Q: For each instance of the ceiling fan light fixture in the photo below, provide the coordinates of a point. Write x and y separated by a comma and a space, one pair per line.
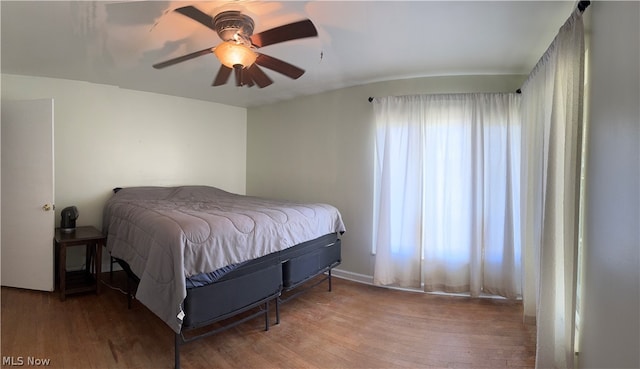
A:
231, 54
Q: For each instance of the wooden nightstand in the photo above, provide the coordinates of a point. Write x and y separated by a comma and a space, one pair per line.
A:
86, 280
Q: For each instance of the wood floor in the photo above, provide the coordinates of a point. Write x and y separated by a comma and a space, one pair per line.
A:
354, 326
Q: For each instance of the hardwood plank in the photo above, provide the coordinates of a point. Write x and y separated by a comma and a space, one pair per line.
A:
353, 326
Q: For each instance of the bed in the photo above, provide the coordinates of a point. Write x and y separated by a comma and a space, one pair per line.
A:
201, 255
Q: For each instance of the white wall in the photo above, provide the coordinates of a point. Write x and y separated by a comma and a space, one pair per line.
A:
108, 137
320, 148
610, 334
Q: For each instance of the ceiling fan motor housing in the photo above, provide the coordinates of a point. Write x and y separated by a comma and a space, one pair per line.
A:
230, 23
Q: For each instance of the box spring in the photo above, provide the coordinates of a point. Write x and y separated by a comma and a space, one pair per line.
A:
260, 278
306, 262
237, 291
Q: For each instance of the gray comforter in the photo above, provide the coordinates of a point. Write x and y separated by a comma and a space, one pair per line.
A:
166, 234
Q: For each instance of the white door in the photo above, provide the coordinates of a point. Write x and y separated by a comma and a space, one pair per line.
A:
27, 226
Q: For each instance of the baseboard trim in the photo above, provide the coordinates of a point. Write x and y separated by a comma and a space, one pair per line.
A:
351, 276
368, 279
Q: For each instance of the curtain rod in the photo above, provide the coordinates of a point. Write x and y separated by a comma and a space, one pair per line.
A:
582, 6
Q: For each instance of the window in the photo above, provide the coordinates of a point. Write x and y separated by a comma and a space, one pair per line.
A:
446, 193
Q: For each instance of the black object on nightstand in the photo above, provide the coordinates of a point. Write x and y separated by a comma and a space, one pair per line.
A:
86, 280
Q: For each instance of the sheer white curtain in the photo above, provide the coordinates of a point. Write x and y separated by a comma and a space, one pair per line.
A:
551, 153
446, 206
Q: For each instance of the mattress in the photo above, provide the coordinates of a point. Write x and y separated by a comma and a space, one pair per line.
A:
169, 234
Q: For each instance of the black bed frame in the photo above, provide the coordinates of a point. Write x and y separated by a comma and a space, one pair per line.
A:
261, 281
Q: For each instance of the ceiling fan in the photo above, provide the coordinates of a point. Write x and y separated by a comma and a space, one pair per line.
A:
238, 53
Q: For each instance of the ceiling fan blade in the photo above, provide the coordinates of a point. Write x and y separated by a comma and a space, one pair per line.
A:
183, 58
279, 66
222, 77
258, 75
291, 31
197, 15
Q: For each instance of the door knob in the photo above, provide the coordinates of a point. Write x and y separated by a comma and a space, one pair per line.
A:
47, 207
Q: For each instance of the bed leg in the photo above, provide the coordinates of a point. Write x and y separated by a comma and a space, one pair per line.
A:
329, 280
177, 351
128, 292
278, 310
266, 315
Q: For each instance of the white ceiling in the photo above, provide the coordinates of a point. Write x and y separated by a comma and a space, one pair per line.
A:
359, 42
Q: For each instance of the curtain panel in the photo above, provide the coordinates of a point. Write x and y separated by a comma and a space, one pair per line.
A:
447, 193
552, 105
